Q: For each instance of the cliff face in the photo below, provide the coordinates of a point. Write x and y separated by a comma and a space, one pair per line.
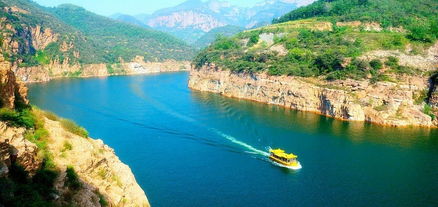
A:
11, 90
56, 70
384, 103
100, 171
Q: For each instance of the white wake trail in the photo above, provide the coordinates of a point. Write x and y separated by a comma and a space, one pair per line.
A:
165, 109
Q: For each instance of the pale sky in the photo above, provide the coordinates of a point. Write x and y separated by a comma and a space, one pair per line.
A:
132, 7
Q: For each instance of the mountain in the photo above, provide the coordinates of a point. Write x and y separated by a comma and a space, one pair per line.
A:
129, 19
119, 39
43, 157
70, 34
193, 18
362, 60
212, 35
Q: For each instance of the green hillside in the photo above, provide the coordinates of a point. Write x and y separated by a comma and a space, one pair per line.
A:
420, 17
321, 39
93, 38
118, 39
212, 35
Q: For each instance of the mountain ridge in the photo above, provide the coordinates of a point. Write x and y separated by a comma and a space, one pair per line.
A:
194, 18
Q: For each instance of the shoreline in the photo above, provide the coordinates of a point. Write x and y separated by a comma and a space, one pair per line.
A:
384, 104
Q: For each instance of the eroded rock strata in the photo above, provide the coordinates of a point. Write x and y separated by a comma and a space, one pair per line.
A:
56, 70
385, 103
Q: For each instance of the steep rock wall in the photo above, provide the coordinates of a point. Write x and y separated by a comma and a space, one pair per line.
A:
383, 103
56, 70
11, 90
99, 169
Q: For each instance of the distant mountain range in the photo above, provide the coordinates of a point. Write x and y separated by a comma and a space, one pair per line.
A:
194, 18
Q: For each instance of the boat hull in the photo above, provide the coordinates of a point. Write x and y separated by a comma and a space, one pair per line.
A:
294, 166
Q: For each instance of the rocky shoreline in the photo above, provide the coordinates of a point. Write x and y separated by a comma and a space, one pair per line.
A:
136, 67
383, 103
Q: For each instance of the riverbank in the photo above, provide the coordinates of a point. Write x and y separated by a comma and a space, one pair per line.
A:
385, 103
57, 70
55, 160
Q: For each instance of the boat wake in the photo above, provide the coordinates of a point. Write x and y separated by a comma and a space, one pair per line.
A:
175, 114
232, 139
288, 167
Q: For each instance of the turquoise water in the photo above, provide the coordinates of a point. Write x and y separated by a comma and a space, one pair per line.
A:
189, 148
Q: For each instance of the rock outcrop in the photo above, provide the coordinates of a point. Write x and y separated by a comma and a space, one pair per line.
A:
98, 167
56, 70
100, 171
11, 90
384, 103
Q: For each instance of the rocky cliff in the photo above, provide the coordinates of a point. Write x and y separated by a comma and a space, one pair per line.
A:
35, 149
100, 171
12, 92
56, 69
385, 103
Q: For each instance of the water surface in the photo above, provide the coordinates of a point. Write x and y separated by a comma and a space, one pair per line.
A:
189, 148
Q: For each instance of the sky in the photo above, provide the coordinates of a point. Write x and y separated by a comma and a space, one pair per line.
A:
132, 7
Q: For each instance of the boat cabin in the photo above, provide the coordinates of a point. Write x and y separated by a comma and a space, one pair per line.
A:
281, 156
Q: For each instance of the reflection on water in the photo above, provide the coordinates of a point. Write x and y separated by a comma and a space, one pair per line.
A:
311, 123
189, 148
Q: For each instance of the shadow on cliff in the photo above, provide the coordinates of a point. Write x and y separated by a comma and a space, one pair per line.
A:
22, 185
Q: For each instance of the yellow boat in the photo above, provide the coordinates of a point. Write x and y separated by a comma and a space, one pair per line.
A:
280, 157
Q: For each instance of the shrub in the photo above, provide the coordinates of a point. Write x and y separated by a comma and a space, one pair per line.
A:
22, 190
73, 128
427, 109
67, 146
44, 180
254, 39
376, 64
102, 200
72, 180
13, 118
225, 44
329, 61
392, 62
52, 116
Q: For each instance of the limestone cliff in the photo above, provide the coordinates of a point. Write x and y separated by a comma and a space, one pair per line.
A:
137, 66
385, 103
11, 90
100, 170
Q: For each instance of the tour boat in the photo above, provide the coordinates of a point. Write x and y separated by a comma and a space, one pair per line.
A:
283, 159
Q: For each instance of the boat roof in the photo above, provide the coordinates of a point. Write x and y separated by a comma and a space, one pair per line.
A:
281, 153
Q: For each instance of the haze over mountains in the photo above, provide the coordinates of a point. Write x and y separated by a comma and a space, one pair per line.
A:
194, 18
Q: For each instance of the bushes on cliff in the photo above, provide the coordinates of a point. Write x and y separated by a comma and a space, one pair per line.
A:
73, 128
72, 179
13, 118
418, 17
22, 190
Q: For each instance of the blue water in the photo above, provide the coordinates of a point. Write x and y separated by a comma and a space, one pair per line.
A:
189, 148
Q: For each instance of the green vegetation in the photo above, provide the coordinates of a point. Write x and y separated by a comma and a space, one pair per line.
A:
211, 36
115, 39
41, 137
72, 181
315, 45
19, 189
419, 17
86, 38
67, 146
73, 128
22, 118
427, 109
102, 200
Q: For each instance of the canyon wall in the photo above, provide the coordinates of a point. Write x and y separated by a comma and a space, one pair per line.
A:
385, 103
100, 171
54, 70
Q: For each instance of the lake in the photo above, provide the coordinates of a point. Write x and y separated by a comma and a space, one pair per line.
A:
189, 148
